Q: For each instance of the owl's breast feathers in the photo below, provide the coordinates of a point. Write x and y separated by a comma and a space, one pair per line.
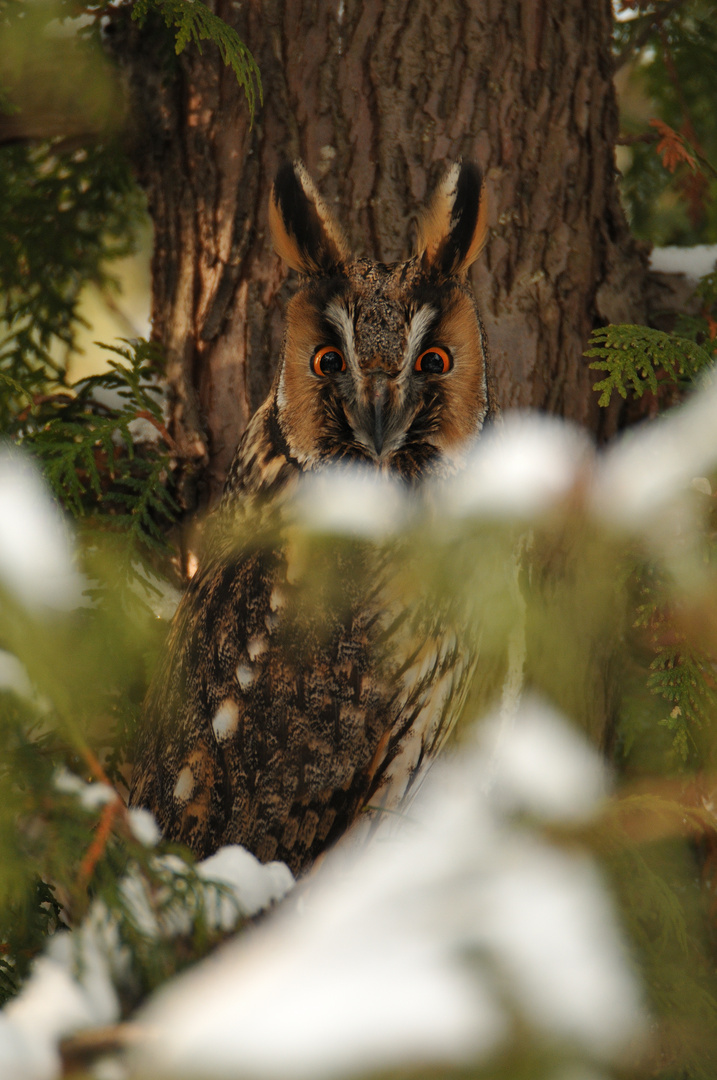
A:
273, 721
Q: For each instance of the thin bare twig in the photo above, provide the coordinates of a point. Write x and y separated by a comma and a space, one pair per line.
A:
630, 140
144, 414
99, 842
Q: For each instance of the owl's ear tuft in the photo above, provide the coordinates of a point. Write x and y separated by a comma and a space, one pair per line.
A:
454, 227
304, 231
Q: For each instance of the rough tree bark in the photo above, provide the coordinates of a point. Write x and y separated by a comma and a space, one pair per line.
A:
375, 96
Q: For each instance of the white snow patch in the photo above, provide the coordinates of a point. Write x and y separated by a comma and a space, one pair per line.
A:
702, 484
571, 781
521, 468
51, 1006
185, 785
407, 951
144, 827
91, 796
410, 1007
141, 430
85, 954
651, 466
251, 886
254, 885
160, 917
108, 1068
351, 502
137, 902
13, 675
35, 545
547, 921
245, 676
23, 1057
695, 261
226, 719
70, 988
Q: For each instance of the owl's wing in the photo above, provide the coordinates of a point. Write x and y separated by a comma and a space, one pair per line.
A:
292, 694
262, 725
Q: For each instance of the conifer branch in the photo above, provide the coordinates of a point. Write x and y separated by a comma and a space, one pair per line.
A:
193, 21
680, 673
638, 358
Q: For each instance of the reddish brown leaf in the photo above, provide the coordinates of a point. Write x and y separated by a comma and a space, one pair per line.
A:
672, 147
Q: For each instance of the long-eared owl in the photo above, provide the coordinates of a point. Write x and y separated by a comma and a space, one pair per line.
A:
269, 723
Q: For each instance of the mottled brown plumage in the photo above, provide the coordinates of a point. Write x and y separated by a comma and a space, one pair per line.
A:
273, 721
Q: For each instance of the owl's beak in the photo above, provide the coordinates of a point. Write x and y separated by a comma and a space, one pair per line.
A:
377, 414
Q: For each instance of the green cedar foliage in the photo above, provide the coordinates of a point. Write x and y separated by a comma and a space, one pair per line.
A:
681, 672
635, 358
64, 216
675, 666
89, 453
195, 23
665, 686
66, 212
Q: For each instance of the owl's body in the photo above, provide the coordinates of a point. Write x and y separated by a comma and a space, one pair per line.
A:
272, 722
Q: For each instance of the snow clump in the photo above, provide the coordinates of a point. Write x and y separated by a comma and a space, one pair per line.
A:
424, 945
74, 985
36, 558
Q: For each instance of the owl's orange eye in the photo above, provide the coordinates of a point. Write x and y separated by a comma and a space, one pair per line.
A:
328, 361
434, 361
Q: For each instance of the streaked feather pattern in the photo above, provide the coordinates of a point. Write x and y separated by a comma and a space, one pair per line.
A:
281, 710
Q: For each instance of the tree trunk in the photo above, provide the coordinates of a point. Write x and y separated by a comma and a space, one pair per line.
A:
376, 96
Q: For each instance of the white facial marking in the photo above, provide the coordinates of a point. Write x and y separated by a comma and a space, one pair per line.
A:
281, 398
226, 719
184, 787
339, 317
418, 327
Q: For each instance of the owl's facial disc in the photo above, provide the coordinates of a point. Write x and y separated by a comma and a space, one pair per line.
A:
383, 368
382, 337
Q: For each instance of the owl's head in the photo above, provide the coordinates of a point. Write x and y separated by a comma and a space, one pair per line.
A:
383, 364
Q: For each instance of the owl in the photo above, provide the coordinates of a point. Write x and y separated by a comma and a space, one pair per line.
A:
273, 722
